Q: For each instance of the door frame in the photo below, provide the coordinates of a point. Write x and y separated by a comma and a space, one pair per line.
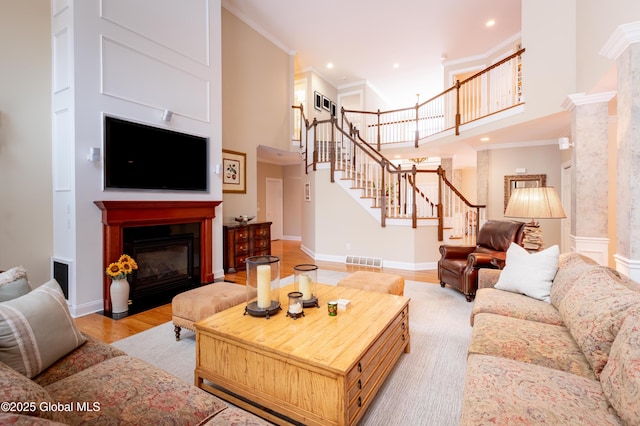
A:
277, 222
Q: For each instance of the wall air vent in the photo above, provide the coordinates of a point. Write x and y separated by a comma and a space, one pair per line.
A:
364, 261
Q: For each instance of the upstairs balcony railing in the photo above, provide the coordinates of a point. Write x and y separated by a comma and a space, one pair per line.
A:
490, 91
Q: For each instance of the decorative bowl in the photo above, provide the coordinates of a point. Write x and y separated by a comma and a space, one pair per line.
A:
244, 219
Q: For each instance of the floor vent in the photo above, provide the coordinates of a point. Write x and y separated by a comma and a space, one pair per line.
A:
364, 261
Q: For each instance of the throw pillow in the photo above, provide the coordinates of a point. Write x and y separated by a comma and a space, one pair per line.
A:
36, 330
13, 283
530, 274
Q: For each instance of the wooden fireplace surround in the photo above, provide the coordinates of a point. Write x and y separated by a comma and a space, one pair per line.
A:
117, 215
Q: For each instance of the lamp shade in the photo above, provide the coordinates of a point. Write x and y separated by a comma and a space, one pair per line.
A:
535, 203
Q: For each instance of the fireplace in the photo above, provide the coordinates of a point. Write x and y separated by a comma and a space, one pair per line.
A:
167, 262
174, 239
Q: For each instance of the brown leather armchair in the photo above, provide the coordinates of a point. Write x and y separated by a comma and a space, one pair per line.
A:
458, 265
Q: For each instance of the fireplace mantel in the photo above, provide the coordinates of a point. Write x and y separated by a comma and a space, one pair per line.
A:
117, 215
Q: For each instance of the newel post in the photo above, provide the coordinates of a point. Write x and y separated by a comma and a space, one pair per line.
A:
383, 196
440, 213
457, 107
414, 192
417, 139
379, 147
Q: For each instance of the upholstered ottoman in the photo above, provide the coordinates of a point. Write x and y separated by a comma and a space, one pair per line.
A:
194, 305
375, 281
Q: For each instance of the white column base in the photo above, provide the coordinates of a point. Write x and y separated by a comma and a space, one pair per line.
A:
595, 248
628, 267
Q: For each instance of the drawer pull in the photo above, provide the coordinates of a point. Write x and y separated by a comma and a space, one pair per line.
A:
359, 367
359, 401
402, 326
402, 336
359, 384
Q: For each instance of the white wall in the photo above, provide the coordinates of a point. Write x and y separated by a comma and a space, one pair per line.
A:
111, 58
596, 21
343, 228
258, 94
26, 236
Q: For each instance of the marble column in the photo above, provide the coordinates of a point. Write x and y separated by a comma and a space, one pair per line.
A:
447, 165
624, 47
589, 174
483, 171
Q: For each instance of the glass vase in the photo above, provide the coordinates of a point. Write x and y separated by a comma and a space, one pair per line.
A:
305, 281
263, 286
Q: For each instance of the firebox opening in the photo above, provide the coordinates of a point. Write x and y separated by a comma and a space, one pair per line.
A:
168, 258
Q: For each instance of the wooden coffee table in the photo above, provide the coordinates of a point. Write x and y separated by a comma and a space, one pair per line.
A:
316, 369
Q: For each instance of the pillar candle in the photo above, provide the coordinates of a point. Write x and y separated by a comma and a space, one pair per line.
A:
264, 286
305, 286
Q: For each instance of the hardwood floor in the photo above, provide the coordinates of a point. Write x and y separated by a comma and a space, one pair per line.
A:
110, 330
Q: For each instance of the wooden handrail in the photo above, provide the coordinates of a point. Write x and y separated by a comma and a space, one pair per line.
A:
491, 67
402, 117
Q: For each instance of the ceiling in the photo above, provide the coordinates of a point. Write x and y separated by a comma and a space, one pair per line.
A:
364, 39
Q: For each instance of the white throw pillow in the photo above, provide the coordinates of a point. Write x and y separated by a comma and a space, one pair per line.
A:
530, 274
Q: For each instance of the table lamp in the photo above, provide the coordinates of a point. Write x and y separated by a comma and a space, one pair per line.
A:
535, 203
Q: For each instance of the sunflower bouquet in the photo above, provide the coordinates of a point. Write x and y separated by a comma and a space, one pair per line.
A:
123, 267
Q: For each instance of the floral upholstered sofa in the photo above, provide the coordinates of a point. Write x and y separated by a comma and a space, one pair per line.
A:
571, 360
50, 373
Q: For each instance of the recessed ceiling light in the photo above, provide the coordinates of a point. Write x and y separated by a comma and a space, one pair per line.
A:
490, 23
396, 65
329, 65
485, 139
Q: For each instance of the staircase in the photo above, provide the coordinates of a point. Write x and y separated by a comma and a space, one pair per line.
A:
410, 197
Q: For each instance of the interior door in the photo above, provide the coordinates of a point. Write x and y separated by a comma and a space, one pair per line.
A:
274, 203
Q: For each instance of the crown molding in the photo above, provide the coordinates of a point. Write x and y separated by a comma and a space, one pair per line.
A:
486, 55
251, 23
623, 36
582, 98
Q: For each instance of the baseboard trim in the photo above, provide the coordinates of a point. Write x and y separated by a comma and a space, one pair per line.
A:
407, 266
628, 267
595, 248
85, 308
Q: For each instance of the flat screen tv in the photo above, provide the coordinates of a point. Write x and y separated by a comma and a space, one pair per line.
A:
138, 156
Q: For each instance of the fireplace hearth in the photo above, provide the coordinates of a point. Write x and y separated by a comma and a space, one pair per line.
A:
172, 242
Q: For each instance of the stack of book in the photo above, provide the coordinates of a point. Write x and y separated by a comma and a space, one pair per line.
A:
532, 239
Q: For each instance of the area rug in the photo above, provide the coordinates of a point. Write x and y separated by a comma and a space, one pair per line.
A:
425, 386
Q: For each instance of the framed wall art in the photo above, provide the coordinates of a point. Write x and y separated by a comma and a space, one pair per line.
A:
512, 182
326, 103
317, 101
334, 109
234, 172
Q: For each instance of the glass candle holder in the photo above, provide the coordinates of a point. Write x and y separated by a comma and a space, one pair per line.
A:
294, 309
305, 281
263, 286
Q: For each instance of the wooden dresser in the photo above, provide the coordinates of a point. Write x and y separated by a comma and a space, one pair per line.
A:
242, 241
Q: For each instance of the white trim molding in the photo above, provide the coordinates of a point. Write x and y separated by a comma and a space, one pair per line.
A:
595, 248
628, 267
623, 36
576, 99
